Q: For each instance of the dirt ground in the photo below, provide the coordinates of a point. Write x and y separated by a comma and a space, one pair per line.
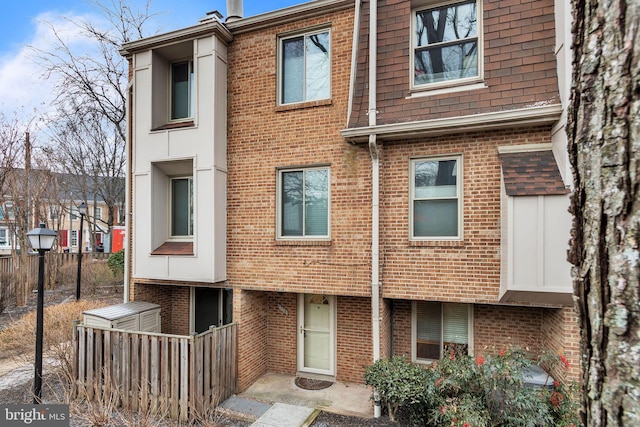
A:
16, 380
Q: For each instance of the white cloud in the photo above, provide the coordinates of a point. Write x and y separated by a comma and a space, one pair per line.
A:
23, 86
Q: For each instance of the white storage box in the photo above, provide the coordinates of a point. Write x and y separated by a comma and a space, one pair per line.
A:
131, 316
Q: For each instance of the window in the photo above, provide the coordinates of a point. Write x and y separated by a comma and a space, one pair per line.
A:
74, 238
305, 68
9, 211
182, 207
5, 241
304, 203
54, 212
436, 198
182, 90
438, 327
98, 212
445, 43
74, 213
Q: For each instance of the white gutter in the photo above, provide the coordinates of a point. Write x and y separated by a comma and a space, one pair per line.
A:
375, 179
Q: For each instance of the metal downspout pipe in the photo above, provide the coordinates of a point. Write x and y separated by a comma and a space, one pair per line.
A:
375, 193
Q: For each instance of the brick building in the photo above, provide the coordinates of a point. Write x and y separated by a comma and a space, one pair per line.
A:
344, 201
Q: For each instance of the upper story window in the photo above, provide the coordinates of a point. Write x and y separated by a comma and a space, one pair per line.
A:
182, 87
436, 193
173, 86
54, 212
182, 207
5, 241
445, 43
98, 212
303, 210
440, 327
305, 67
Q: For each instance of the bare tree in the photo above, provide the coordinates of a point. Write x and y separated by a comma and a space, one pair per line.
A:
89, 128
604, 147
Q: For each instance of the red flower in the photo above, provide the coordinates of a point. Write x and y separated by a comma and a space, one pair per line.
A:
556, 383
443, 409
466, 425
452, 356
438, 381
502, 352
479, 360
565, 361
556, 399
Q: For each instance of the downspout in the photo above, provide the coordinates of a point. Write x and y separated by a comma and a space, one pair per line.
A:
375, 193
375, 180
129, 187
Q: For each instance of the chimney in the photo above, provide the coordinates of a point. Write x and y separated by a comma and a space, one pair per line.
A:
234, 10
211, 16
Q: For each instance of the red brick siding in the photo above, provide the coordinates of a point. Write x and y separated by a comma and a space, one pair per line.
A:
355, 345
465, 271
519, 63
496, 327
561, 335
249, 310
282, 335
263, 137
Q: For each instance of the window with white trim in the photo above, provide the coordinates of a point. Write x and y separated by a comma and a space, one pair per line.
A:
74, 238
305, 67
5, 240
445, 43
303, 203
182, 207
436, 198
98, 212
438, 327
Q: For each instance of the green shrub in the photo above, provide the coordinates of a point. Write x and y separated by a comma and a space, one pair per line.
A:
116, 262
464, 391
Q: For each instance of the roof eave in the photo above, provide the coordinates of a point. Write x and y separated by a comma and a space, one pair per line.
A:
523, 117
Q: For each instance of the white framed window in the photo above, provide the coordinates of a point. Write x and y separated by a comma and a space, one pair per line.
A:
304, 71
436, 198
181, 207
8, 211
303, 203
437, 327
74, 238
74, 213
182, 90
447, 44
98, 212
54, 212
5, 240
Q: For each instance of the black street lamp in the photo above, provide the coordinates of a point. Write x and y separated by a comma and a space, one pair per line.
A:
41, 240
82, 210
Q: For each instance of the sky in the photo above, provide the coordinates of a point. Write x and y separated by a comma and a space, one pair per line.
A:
22, 24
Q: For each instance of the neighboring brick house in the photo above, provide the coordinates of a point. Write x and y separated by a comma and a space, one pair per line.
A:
340, 216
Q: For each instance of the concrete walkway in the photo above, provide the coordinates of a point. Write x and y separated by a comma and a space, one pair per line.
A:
275, 401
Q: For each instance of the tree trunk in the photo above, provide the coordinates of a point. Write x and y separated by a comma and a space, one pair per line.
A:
604, 149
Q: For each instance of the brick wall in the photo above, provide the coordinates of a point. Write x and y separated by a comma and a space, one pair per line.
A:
249, 310
355, 345
561, 335
519, 69
282, 310
263, 137
462, 271
495, 327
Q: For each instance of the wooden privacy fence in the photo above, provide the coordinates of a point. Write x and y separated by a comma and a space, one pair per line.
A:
10, 266
176, 376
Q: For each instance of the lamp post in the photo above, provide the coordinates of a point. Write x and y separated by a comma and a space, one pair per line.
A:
82, 210
41, 239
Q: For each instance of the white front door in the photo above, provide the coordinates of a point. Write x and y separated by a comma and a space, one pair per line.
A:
316, 333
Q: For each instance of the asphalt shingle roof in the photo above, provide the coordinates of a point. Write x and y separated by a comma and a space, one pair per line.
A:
531, 173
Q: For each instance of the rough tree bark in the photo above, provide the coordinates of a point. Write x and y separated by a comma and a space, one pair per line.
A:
604, 149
